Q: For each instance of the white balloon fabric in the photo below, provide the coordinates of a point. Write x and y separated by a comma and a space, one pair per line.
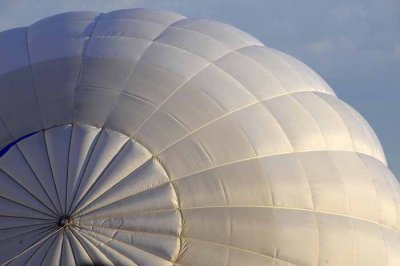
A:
141, 137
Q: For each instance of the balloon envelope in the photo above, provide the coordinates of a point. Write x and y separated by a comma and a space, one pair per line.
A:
141, 137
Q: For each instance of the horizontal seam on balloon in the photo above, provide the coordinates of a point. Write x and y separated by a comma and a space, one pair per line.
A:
298, 209
143, 20
136, 214
133, 230
248, 43
24, 226
132, 19
270, 155
237, 248
193, 174
95, 21
187, 80
52, 19
132, 71
25, 217
341, 117
89, 238
237, 51
130, 244
116, 240
227, 115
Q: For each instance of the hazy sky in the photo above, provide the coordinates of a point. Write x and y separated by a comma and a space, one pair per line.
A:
354, 45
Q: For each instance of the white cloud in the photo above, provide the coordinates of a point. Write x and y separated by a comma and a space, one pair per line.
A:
321, 47
397, 50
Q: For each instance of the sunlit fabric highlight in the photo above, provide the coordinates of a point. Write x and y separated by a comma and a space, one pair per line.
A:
141, 137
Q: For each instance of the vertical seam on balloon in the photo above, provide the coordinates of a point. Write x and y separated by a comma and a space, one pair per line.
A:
367, 134
51, 169
230, 76
104, 244
118, 228
41, 230
77, 243
176, 119
212, 99
96, 20
240, 249
378, 205
357, 153
23, 205
144, 164
213, 63
313, 203
25, 189
327, 145
205, 151
68, 162
112, 238
388, 182
82, 245
25, 226
249, 142
393, 182
86, 162
70, 245
151, 42
100, 175
62, 245
26, 217
81, 176
33, 254
37, 243
52, 244
102, 172
375, 223
133, 214
295, 65
38, 179
349, 206
10, 134
227, 115
44, 231
262, 156
312, 119
180, 251
190, 78
33, 78
335, 110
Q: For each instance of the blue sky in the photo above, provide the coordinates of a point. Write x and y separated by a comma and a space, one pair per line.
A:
354, 45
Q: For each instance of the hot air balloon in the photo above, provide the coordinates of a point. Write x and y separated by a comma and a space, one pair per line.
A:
141, 137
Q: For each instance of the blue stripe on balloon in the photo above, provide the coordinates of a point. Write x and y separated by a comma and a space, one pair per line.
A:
12, 144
